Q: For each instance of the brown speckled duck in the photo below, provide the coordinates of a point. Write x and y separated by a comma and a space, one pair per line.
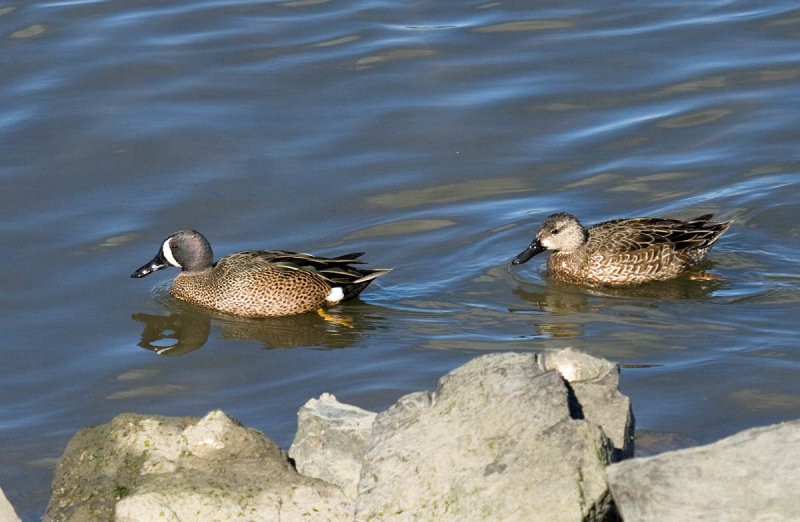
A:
257, 283
622, 251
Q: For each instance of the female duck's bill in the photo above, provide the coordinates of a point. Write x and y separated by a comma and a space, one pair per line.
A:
534, 248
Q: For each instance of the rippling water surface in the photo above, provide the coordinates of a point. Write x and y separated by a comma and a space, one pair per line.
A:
434, 135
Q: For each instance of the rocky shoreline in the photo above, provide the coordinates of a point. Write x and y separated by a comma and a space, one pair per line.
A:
508, 437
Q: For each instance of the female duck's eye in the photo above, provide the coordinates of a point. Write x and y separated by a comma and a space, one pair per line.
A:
555, 231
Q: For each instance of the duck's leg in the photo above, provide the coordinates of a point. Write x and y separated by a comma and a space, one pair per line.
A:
704, 276
347, 323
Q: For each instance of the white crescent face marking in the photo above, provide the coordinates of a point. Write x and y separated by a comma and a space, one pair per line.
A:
167, 251
336, 295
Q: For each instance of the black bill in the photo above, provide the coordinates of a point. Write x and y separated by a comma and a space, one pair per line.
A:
157, 263
534, 248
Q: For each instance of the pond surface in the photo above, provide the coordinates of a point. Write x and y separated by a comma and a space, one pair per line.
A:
433, 135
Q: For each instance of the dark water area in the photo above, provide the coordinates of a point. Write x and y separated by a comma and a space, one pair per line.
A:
435, 136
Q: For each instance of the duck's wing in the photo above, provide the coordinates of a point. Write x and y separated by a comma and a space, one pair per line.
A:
631, 235
336, 270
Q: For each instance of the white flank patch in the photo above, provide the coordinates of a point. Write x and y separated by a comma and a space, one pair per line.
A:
167, 251
336, 295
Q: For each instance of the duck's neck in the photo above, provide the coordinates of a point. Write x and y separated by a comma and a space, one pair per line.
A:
191, 284
566, 261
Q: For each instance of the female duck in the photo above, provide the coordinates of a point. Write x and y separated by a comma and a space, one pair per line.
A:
257, 283
622, 251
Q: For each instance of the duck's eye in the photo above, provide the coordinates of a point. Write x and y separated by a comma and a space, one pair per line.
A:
555, 231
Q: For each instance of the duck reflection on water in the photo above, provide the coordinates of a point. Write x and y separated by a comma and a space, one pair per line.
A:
185, 329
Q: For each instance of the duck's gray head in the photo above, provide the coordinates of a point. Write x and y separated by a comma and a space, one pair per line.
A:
185, 249
561, 232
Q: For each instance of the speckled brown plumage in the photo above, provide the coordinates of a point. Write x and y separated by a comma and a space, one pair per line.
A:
258, 283
623, 251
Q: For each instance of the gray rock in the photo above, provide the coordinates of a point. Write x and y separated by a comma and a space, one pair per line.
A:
496, 441
7, 513
595, 383
330, 441
145, 467
750, 476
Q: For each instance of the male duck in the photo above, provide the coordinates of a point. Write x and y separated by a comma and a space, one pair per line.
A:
622, 251
257, 283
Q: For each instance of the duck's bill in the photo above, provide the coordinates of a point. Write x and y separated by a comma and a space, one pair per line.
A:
534, 248
157, 263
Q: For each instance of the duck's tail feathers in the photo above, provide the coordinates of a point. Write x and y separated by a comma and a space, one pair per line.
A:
717, 228
354, 287
351, 257
377, 272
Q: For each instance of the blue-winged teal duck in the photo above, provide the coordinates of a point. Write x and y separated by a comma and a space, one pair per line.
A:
622, 251
257, 283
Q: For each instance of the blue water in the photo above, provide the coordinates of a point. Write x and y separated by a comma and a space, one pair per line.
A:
435, 136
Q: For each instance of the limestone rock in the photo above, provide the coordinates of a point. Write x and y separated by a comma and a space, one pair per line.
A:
7, 513
752, 475
595, 383
330, 441
145, 467
496, 441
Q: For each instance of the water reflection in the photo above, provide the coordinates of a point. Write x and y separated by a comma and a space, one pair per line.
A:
183, 330
560, 330
189, 332
559, 298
